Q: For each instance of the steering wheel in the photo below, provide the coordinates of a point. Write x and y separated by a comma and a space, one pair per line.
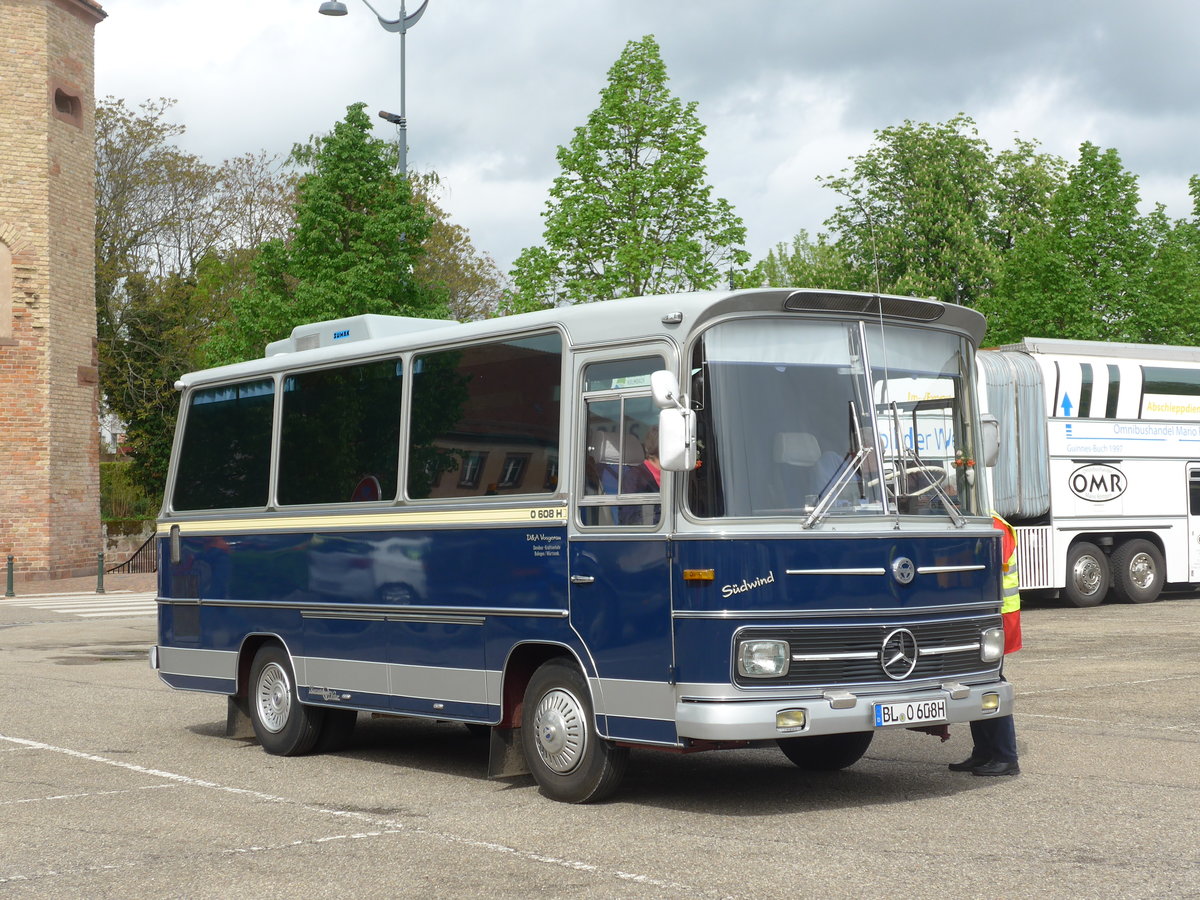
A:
937, 475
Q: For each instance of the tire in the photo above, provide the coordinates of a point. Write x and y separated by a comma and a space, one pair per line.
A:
1088, 575
283, 725
1138, 571
569, 761
826, 752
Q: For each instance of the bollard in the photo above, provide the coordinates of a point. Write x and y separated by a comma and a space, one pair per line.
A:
10, 592
100, 573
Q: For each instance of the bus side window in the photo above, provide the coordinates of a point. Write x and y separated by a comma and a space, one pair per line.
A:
620, 470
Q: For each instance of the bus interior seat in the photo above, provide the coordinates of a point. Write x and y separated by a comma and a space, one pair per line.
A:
795, 455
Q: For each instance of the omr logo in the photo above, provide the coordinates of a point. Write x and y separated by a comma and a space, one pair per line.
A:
1097, 482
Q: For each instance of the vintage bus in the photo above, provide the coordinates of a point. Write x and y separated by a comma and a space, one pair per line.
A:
683, 522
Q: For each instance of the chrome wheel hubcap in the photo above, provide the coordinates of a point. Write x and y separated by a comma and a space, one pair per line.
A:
1087, 574
561, 731
273, 699
1141, 570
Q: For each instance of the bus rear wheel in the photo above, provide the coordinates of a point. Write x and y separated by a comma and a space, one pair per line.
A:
1138, 571
283, 725
826, 752
567, 758
1088, 576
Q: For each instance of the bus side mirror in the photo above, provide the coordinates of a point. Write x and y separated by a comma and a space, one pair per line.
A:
677, 440
676, 424
990, 438
664, 387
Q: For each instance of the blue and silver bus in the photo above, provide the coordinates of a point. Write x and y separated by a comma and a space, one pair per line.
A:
683, 522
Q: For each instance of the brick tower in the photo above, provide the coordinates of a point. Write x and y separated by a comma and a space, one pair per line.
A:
49, 443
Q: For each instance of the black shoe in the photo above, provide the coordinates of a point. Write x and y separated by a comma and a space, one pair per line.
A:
971, 762
997, 767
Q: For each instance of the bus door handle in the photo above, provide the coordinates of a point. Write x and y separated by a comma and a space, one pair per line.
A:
582, 579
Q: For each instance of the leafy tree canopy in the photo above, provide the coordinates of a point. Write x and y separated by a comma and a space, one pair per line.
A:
357, 240
631, 213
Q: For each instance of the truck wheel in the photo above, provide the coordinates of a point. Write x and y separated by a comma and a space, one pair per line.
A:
1138, 571
283, 725
1088, 576
569, 761
826, 752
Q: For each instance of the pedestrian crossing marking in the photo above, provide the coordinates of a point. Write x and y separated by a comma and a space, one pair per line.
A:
90, 605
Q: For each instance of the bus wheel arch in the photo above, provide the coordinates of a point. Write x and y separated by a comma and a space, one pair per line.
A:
1138, 570
565, 753
1088, 575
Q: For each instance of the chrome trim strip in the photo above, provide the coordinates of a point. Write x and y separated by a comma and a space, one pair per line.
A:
828, 657
864, 571
393, 617
938, 651
177, 601
937, 570
988, 606
358, 609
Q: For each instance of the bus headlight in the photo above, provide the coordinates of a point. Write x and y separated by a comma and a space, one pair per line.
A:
764, 659
991, 644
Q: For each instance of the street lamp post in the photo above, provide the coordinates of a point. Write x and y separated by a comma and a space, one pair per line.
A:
400, 24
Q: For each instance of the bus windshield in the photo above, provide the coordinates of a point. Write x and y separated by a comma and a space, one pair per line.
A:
831, 419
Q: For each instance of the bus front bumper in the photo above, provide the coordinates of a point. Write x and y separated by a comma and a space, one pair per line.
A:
838, 712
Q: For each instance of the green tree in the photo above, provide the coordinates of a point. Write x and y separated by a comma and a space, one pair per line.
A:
357, 239
169, 229
807, 263
1170, 309
918, 211
1083, 273
631, 213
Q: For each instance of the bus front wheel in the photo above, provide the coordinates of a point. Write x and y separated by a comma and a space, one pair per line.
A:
283, 725
1088, 576
569, 761
826, 752
1138, 571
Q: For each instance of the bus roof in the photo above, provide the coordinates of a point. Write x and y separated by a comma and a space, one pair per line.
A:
585, 324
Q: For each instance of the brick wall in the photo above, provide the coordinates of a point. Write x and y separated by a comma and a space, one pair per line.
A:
49, 466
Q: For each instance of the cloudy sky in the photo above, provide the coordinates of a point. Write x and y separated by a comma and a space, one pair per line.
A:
789, 89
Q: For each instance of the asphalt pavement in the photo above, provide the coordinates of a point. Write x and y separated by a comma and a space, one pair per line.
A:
113, 785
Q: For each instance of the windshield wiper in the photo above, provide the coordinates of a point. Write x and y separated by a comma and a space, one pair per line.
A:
920, 467
842, 478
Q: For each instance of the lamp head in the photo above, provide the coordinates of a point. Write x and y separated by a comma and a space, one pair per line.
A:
332, 8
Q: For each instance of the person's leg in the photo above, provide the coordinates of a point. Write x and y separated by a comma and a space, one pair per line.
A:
982, 749
1002, 737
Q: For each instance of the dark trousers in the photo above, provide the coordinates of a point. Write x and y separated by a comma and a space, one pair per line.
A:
995, 739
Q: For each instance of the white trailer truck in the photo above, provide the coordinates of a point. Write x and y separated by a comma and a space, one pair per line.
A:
1099, 465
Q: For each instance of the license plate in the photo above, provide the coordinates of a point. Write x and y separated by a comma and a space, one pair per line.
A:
918, 712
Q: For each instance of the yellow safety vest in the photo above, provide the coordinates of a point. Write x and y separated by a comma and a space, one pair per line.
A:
1010, 584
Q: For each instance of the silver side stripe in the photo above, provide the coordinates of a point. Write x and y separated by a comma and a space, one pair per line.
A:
199, 663
872, 570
